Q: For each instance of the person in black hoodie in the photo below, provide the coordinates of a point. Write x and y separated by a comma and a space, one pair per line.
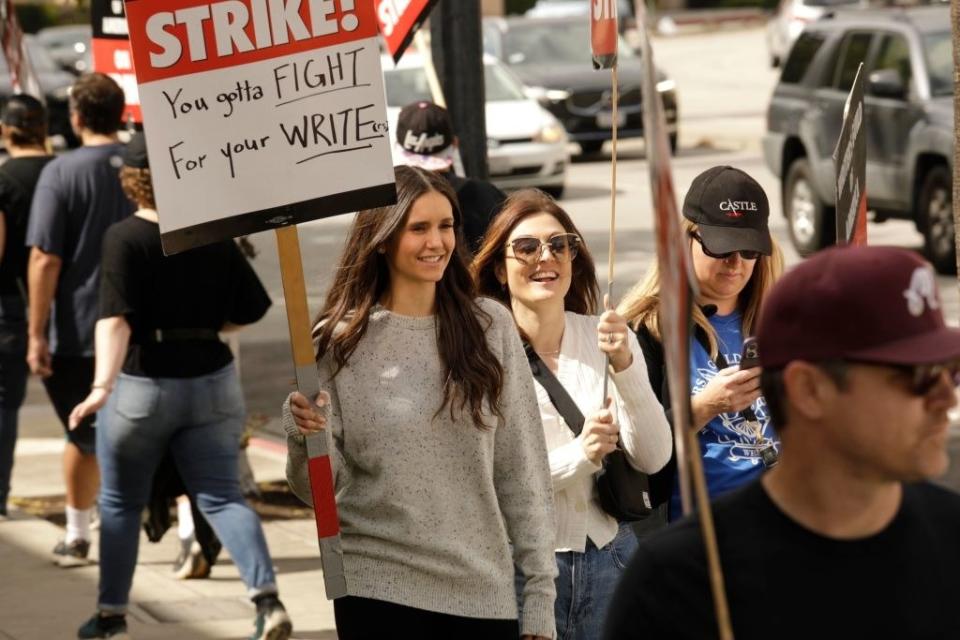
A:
425, 139
24, 131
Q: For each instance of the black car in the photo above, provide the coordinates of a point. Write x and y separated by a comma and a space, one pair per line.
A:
907, 56
55, 84
552, 57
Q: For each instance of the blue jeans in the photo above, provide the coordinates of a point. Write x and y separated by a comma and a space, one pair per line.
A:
13, 384
586, 583
200, 420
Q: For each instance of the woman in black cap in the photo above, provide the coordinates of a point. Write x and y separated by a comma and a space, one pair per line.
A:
735, 261
164, 381
24, 131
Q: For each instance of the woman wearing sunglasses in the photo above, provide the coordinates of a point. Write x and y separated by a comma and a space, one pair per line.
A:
533, 260
735, 261
441, 484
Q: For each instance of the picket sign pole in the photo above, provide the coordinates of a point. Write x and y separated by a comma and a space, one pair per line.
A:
432, 78
615, 106
308, 383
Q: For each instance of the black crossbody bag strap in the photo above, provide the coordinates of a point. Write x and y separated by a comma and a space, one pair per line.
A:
558, 395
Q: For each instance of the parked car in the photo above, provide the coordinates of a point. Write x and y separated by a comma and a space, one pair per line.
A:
788, 21
69, 46
552, 57
567, 8
55, 83
907, 56
526, 146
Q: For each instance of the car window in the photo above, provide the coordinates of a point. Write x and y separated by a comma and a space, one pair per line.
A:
409, 84
853, 51
939, 54
40, 60
894, 53
800, 57
552, 42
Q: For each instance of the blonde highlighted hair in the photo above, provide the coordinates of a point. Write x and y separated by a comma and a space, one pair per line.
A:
641, 305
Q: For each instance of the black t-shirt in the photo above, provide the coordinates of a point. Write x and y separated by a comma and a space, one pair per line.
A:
18, 180
203, 288
480, 202
784, 581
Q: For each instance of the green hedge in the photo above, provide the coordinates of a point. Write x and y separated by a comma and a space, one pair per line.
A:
34, 17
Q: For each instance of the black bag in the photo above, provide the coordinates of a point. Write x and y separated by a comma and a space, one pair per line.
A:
623, 491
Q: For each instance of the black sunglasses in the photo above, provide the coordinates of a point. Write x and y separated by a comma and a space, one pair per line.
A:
527, 249
923, 377
746, 254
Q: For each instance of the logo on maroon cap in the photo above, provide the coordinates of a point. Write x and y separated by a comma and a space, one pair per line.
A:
922, 292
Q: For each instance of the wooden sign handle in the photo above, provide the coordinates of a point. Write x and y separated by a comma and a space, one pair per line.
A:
321, 473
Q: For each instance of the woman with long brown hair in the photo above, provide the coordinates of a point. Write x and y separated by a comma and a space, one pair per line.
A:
439, 467
534, 261
735, 261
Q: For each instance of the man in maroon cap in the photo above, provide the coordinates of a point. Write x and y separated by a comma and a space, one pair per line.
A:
845, 537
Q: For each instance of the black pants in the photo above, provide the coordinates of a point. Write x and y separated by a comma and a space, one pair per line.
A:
366, 619
67, 387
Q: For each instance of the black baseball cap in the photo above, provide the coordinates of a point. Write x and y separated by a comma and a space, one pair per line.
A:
23, 112
425, 136
135, 153
730, 209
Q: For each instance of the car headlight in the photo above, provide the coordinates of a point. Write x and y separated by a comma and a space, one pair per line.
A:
546, 96
550, 133
61, 93
666, 85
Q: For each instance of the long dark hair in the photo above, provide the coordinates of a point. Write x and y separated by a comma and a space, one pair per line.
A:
584, 294
471, 372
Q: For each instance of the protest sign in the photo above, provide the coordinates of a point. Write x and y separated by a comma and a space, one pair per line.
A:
850, 163
603, 33
400, 20
678, 290
22, 77
111, 52
260, 115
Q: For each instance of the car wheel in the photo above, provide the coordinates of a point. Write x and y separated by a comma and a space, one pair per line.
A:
935, 210
556, 192
591, 146
809, 219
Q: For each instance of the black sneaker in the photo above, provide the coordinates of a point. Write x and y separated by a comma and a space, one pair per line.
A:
71, 555
272, 621
190, 563
104, 627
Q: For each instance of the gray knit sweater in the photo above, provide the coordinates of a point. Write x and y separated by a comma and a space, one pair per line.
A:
428, 506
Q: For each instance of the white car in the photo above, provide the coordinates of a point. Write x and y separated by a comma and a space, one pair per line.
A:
789, 19
526, 144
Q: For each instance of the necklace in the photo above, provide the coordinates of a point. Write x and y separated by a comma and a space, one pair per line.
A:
548, 353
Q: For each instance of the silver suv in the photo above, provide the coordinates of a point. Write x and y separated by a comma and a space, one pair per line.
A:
907, 57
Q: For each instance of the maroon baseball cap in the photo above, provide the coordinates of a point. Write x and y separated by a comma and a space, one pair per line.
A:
869, 304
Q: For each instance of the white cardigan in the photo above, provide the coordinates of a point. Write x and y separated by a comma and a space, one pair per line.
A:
644, 433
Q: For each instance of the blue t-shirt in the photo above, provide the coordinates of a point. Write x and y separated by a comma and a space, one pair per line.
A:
78, 197
728, 443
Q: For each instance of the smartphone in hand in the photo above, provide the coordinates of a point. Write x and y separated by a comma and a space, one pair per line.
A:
750, 357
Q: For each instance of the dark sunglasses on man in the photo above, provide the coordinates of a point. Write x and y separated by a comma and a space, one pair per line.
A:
563, 246
746, 254
924, 377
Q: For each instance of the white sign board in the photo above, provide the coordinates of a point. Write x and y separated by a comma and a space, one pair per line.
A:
260, 114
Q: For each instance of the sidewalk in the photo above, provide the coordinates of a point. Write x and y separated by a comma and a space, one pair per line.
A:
39, 601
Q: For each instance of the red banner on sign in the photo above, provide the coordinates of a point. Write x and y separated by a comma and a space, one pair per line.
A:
182, 37
114, 58
603, 33
399, 20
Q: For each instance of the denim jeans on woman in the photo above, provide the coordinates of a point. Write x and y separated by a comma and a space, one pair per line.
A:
13, 384
586, 583
200, 420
